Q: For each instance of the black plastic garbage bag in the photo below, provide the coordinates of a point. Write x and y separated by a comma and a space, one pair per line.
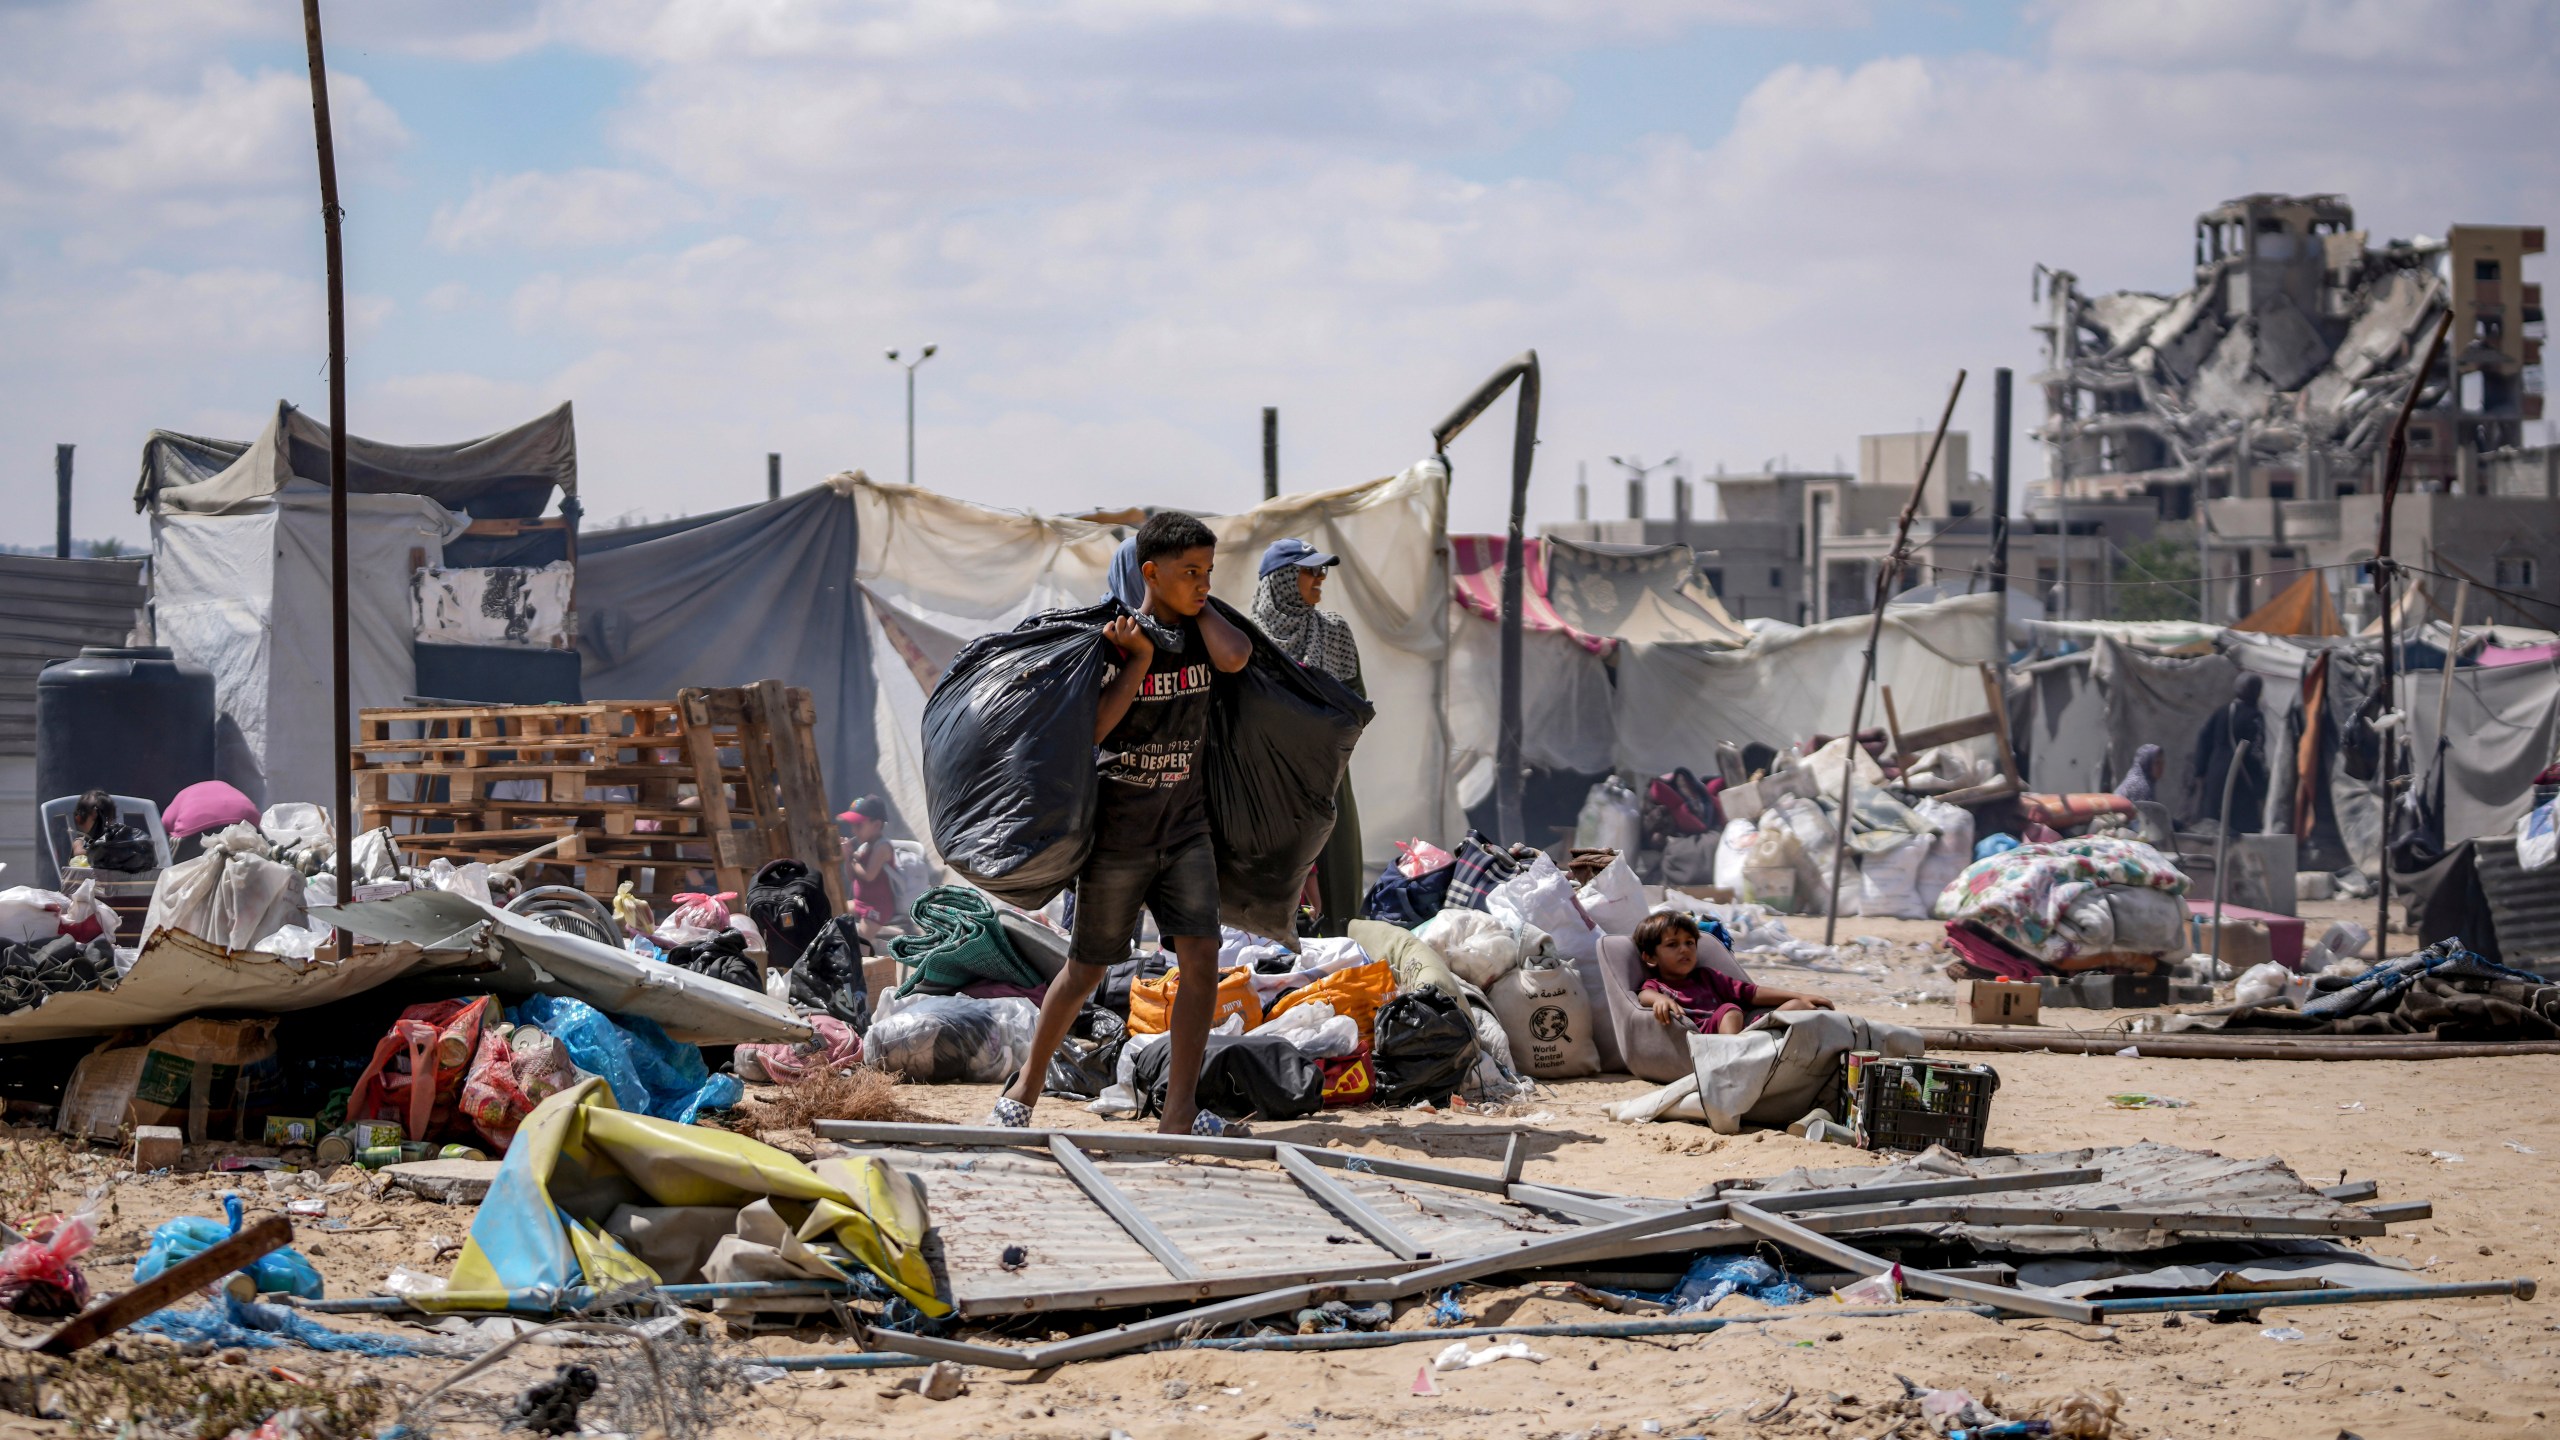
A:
1280, 738
1425, 1048
1113, 993
1008, 753
788, 902
828, 975
722, 957
1242, 1077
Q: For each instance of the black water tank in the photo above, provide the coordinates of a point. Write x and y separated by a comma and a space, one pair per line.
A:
126, 720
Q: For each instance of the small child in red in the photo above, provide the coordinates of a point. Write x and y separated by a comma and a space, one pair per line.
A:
1680, 991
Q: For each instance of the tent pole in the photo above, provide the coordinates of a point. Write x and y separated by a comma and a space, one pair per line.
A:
2395, 455
342, 807
1509, 781
1885, 574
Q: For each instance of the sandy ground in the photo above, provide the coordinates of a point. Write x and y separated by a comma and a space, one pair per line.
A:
2457, 1368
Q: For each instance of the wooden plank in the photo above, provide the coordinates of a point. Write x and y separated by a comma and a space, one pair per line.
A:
814, 838
696, 709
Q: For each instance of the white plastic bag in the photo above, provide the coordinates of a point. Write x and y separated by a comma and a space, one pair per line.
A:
1547, 1019
1733, 852
1611, 818
941, 1039
2538, 836
1315, 1030
1615, 898
470, 879
1542, 895
297, 824
910, 875
1816, 843
1949, 852
230, 895
1478, 948
29, 916
1888, 880
2267, 983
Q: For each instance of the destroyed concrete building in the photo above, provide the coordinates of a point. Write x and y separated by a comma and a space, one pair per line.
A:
2261, 400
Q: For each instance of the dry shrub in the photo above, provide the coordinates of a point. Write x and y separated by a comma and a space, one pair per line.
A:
31, 1165
150, 1392
860, 1094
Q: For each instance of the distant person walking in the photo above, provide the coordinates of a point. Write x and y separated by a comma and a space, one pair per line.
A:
2216, 745
1287, 609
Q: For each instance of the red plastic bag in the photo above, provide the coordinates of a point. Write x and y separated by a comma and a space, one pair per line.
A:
491, 1098
415, 1080
40, 1275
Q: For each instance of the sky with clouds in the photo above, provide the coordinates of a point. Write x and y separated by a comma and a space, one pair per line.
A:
1733, 229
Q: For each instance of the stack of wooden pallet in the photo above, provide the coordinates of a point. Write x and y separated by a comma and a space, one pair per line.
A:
670, 796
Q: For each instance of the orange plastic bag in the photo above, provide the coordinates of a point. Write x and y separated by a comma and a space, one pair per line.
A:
1151, 1001
1356, 992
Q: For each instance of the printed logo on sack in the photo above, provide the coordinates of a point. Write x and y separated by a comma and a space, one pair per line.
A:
1548, 1023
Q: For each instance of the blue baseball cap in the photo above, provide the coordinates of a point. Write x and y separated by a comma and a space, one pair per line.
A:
1298, 553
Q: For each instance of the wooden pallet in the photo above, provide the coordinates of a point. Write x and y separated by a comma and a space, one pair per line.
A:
694, 793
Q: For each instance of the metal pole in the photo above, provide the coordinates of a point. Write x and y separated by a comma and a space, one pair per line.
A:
2395, 456
1270, 452
773, 475
1509, 782
62, 502
2000, 490
911, 423
1885, 573
341, 693
2222, 845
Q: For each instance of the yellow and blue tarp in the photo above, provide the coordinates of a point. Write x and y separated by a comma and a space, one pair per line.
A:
577, 1157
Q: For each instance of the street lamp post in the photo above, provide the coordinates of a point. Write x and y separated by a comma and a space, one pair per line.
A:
910, 366
1637, 473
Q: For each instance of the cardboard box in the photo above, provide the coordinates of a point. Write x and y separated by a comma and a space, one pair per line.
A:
98, 1102
207, 1075
1997, 1002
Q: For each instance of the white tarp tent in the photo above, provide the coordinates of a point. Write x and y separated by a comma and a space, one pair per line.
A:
938, 571
1675, 701
245, 594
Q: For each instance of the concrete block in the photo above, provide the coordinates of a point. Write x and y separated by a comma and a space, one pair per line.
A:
157, 1147
448, 1182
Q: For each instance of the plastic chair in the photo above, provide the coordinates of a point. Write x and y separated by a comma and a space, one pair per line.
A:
55, 818
1645, 1047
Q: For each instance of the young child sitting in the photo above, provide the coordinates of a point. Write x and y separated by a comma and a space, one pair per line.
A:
1680, 991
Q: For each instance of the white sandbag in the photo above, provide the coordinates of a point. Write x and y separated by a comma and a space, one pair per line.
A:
1816, 842
296, 824
1611, 818
1542, 895
1615, 898
1949, 851
231, 894
1547, 1019
1733, 851
1888, 880
2538, 836
1477, 948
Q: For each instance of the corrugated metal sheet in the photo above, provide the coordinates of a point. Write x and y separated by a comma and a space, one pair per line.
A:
2148, 1176
49, 609
2524, 903
1246, 1225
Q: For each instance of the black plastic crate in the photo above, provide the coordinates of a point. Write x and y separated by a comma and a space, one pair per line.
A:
1914, 1104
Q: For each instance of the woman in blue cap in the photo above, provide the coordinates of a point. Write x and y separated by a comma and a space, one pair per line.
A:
1293, 576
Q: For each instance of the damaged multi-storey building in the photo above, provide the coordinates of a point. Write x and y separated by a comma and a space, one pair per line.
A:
2255, 407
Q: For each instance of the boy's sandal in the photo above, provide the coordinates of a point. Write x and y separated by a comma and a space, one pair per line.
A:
1211, 1124
1010, 1114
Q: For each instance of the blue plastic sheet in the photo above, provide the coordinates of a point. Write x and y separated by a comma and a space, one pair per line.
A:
648, 1073
237, 1325
278, 1272
1712, 1277
1991, 845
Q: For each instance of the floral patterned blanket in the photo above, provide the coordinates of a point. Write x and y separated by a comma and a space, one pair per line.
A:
2020, 895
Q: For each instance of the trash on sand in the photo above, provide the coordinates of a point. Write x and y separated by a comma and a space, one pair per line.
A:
1883, 1289
2145, 1100
2129, 1052
2282, 1332
1423, 1384
1458, 1357
41, 1274
2352, 1105
2519, 1149
550, 1407
282, 1271
2447, 1156
236, 1324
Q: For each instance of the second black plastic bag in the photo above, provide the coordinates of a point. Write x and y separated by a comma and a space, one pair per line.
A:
1008, 753
1280, 738
1425, 1048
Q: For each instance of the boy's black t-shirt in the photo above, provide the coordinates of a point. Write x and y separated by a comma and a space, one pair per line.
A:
1151, 794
